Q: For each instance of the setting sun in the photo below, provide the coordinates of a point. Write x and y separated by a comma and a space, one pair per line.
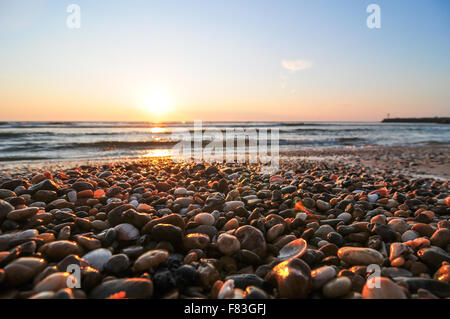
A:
158, 103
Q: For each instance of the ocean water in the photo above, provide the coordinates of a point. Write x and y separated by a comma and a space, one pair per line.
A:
40, 141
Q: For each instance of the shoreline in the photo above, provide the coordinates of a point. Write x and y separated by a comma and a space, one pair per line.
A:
427, 161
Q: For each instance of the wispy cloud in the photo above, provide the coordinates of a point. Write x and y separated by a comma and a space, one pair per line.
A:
296, 65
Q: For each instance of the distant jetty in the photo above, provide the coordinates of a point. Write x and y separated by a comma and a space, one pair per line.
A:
440, 120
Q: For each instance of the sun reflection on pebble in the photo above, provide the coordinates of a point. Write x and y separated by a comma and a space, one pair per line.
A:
282, 269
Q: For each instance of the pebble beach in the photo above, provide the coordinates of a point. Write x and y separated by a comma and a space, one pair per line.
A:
372, 224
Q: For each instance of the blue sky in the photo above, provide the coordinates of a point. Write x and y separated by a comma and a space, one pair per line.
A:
218, 60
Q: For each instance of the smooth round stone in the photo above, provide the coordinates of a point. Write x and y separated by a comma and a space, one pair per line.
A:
336, 238
409, 235
45, 196
293, 249
433, 256
98, 258
274, 232
441, 238
82, 185
288, 189
423, 229
360, 256
292, 278
183, 201
379, 219
382, 288
232, 205
228, 244
399, 225
22, 270
323, 231
132, 288
346, 217
372, 198
151, 258
320, 276
323, 205
167, 232
205, 219
337, 287
57, 250
88, 243
252, 239
117, 264
5, 209
22, 214
395, 272
59, 204
53, 282
181, 191
44, 185
196, 241
126, 232
233, 223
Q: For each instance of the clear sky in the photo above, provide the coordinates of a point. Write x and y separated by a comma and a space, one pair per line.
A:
297, 60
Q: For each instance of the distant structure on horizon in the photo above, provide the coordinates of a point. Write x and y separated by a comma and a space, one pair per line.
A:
439, 120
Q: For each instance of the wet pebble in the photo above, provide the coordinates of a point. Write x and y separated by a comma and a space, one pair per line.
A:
98, 258
360, 256
337, 287
382, 288
150, 259
228, 244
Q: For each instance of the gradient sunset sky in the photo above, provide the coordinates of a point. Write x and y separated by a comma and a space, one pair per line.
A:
223, 60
